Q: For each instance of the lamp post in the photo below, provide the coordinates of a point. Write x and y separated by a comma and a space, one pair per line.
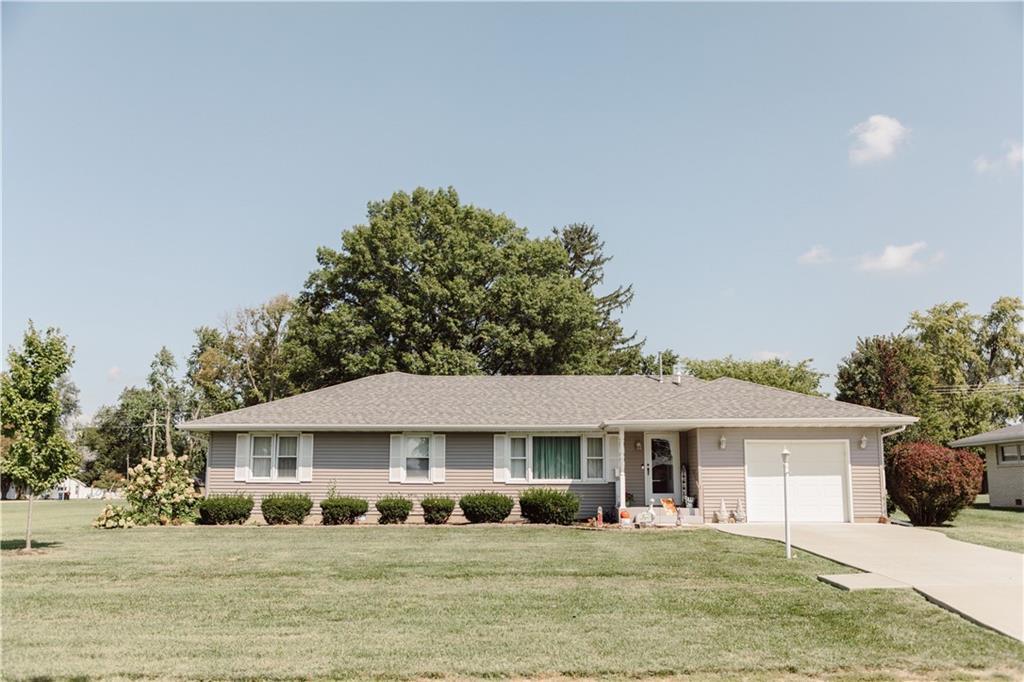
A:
785, 499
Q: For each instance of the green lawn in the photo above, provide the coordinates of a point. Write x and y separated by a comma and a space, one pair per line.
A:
982, 525
387, 602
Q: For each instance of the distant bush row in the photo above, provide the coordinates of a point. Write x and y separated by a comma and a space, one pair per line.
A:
540, 505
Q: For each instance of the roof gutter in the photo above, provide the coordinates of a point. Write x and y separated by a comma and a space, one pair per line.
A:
203, 428
760, 422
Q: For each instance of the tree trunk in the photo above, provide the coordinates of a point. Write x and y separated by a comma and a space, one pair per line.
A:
28, 526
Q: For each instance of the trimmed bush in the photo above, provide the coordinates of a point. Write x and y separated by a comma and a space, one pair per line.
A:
342, 510
544, 505
486, 507
932, 483
221, 510
285, 508
437, 510
393, 509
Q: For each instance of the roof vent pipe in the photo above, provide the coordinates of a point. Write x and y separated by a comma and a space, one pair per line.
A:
677, 375
661, 373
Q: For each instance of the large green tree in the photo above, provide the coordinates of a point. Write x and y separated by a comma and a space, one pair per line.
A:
893, 373
245, 364
430, 285
960, 372
792, 376
39, 453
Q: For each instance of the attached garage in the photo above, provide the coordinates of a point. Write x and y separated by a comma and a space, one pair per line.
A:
819, 481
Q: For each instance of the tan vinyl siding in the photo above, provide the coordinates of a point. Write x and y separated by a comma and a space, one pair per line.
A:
689, 438
635, 466
722, 474
357, 464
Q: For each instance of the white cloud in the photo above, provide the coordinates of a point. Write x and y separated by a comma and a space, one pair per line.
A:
816, 255
114, 373
876, 138
897, 258
1010, 160
770, 355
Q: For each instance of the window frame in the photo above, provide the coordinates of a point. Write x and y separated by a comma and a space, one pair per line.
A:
407, 438
530, 480
1001, 455
527, 457
275, 437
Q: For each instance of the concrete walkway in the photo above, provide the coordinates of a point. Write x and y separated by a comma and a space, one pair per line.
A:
982, 584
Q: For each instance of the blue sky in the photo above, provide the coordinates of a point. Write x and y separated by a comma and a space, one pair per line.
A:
773, 179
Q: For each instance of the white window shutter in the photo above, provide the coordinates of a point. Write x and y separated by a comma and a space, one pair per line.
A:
306, 457
242, 457
437, 458
395, 469
501, 456
611, 456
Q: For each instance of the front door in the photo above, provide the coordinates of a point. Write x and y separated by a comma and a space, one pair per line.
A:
661, 467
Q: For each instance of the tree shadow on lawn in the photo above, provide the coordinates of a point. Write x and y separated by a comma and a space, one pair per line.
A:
12, 545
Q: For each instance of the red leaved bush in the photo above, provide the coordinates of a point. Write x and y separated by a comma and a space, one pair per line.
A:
932, 483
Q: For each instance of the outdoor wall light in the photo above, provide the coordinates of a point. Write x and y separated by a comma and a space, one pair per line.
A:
863, 442
721, 443
638, 446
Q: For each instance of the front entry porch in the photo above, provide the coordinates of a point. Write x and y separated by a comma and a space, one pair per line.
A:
655, 477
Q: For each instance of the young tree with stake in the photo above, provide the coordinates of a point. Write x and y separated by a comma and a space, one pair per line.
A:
40, 454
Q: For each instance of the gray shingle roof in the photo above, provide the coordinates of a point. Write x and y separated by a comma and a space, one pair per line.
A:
727, 398
409, 401
1006, 434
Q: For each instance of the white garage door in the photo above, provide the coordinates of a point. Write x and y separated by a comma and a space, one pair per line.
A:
818, 490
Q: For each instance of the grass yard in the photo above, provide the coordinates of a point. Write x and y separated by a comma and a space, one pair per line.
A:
982, 525
385, 602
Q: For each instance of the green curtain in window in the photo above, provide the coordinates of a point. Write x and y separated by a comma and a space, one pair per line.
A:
556, 457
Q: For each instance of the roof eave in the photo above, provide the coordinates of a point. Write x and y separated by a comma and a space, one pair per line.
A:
735, 422
202, 428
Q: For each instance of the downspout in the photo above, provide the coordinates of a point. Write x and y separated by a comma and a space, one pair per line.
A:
881, 461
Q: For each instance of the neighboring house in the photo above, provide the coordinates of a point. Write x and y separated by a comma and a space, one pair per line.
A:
609, 439
73, 489
1004, 463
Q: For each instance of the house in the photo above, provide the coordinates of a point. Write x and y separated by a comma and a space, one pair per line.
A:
73, 489
1004, 463
613, 440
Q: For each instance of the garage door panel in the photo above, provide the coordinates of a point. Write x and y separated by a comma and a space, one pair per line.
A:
817, 483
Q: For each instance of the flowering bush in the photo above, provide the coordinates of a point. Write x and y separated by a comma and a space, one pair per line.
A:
114, 516
160, 491
931, 483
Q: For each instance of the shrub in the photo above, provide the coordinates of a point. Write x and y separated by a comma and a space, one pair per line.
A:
160, 491
220, 510
932, 483
285, 508
342, 510
486, 507
114, 516
437, 510
393, 509
543, 505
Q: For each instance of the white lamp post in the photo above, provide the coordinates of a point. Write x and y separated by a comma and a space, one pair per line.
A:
785, 499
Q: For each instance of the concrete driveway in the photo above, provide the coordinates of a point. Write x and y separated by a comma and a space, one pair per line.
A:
982, 584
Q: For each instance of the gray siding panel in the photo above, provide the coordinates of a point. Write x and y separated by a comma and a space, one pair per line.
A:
357, 464
722, 474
